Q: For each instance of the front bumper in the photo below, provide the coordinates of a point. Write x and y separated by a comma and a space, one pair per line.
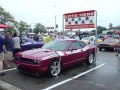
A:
107, 47
30, 68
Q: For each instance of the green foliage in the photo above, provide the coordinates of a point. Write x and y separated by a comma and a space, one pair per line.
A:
6, 17
100, 29
12, 30
93, 31
39, 28
22, 26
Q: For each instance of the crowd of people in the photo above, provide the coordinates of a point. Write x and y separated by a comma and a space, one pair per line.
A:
11, 44
52, 36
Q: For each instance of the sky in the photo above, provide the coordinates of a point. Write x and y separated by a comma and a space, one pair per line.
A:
45, 11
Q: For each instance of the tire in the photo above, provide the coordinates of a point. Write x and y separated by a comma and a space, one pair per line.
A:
54, 68
90, 59
100, 49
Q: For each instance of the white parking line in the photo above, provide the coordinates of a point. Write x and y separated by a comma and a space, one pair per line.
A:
70, 79
9, 69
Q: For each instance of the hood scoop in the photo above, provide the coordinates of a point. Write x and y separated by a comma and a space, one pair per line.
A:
47, 51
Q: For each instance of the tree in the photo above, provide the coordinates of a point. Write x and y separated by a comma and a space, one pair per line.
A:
110, 26
39, 28
100, 29
6, 17
22, 26
93, 31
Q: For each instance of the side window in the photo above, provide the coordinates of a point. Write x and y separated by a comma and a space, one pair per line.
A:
82, 44
75, 45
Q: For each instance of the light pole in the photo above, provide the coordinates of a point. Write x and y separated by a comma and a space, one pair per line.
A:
55, 24
54, 7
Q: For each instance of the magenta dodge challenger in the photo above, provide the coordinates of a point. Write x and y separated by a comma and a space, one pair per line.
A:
54, 56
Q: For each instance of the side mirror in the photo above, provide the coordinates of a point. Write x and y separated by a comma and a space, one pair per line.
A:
74, 49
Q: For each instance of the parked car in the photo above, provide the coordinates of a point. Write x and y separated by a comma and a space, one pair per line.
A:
109, 44
101, 37
55, 56
28, 44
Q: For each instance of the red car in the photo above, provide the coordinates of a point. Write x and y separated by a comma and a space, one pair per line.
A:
55, 56
109, 44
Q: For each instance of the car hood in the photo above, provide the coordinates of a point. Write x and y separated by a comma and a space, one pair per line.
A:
38, 54
109, 43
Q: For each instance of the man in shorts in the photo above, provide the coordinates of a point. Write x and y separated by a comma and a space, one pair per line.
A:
2, 50
9, 47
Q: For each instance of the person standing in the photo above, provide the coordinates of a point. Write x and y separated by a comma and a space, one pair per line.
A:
48, 38
92, 40
9, 47
2, 50
17, 44
35, 37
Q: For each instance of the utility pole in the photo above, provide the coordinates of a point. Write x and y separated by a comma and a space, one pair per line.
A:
55, 24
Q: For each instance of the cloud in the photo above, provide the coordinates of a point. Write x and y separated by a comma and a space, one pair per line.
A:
44, 11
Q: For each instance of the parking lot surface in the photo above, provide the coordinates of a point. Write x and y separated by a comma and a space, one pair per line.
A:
105, 77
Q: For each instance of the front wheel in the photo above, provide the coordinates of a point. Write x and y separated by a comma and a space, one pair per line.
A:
90, 59
54, 68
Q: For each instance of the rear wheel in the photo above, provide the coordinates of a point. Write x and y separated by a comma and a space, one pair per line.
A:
90, 59
54, 68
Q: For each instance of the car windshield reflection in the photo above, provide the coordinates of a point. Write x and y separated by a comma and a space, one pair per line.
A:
56, 45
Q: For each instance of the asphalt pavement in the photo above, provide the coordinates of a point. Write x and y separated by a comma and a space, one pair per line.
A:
104, 76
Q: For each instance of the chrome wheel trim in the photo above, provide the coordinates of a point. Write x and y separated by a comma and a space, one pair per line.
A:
55, 68
91, 58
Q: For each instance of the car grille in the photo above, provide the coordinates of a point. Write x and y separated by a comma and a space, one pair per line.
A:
30, 61
26, 60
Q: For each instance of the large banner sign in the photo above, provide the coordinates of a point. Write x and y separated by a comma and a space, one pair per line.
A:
78, 20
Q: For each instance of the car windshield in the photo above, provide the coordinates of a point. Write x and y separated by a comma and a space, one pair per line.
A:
110, 40
26, 40
56, 45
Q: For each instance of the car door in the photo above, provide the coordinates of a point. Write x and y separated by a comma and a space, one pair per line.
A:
74, 53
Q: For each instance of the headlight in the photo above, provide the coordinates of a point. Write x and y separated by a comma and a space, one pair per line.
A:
36, 61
